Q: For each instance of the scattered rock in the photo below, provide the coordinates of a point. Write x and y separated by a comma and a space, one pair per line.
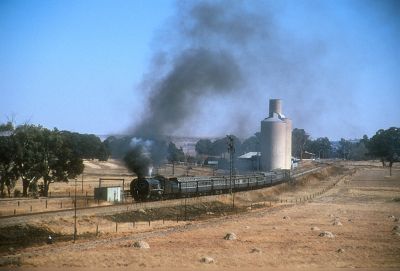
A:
141, 245
396, 219
391, 216
326, 234
315, 229
247, 227
255, 250
143, 211
209, 213
286, 217
207, 260
337, 223
350, 220
396, 228
274, 228
331, 215
11, 250
230, 236
340, 250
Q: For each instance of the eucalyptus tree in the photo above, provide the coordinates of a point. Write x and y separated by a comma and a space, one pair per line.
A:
28, 154
385, 145
299, 140
8, 170
59, 160
43, 154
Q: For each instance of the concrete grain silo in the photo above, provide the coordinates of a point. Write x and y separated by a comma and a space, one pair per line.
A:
276, 139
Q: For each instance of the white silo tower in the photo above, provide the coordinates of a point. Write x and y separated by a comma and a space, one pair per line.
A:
276, 139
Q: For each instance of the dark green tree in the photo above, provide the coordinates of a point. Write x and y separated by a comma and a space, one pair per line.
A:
28, 154
322, 147
359, 150
251, 144
218, 147
175, 154
60, 161
299, 140
43, 154
118, 147
385, 145
345, 147
203, 147
87, 146
8, 149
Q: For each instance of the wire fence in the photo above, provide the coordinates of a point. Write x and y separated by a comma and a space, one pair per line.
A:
17, 207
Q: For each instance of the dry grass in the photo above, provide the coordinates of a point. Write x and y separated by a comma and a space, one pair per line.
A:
362, 200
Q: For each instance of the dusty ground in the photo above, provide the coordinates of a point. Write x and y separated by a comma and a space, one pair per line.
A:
279, 236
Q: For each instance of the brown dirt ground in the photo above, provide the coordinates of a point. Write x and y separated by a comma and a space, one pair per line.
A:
362, 201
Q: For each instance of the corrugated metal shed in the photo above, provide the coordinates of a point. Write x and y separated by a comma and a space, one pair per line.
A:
112, 194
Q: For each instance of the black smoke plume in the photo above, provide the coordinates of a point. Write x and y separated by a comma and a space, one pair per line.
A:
197, 72
137, 161
204, 59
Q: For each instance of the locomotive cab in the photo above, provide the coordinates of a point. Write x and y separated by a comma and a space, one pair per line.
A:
143, 189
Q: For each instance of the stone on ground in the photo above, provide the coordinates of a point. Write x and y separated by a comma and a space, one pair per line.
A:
326, 234
230, 236
337, 223
286, 217
207, 260
141, 244
315, 229
340, 250
255, 250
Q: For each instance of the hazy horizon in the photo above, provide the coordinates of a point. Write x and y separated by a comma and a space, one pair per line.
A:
201, 69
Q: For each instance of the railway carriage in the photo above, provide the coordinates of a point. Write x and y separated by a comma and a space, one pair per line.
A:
159, 187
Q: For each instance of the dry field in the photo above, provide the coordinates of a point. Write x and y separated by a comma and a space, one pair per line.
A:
61, 195
276, 227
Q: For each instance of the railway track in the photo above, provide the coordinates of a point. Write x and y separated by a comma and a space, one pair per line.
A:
121, 207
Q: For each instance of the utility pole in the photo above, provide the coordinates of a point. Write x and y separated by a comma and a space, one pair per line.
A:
231, 150
75, 212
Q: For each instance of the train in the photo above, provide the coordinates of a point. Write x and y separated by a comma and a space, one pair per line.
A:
160, 187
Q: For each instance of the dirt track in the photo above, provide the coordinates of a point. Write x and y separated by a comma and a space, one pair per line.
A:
279, 237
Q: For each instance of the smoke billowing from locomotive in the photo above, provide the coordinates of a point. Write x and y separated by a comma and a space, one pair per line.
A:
137, 161
197, 72
212, 45
204, 63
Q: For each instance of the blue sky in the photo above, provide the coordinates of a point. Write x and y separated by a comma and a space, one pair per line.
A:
79, 65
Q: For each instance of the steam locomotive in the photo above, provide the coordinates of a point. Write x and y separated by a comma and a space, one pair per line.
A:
160, 187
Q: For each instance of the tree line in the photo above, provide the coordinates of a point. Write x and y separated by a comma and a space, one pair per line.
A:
384, 145
219, 146
30, 153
